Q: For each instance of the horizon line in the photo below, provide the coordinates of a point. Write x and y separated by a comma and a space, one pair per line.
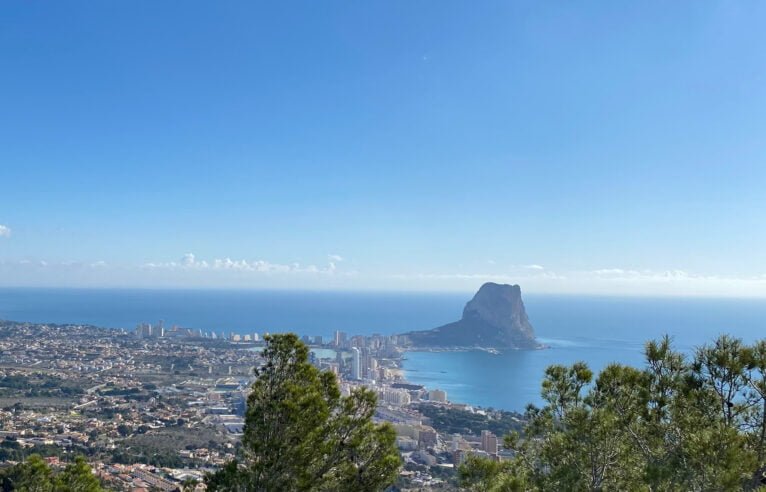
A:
385, 290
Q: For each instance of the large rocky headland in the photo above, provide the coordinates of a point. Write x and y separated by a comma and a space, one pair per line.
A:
494, 319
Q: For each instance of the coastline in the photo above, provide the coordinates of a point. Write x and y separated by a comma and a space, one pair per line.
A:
458, 348
451, 374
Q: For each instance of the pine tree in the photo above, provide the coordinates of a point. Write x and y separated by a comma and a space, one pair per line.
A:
677, 424
301, 434
77, 477
32, 475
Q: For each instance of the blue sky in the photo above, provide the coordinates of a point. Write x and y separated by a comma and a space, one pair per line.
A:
600, 147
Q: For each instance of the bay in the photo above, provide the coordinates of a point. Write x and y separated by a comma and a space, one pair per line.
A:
597, 330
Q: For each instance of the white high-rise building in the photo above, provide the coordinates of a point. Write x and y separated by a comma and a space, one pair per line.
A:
356, 363
340, 339
455, 443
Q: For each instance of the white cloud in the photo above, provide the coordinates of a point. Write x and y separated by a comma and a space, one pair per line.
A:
609, 271
5, 231
671, 282
602, 281
190, 262
644, 275
55, 265
335, 258
190, 270
446, 276
485, 277
187, 271
188, 259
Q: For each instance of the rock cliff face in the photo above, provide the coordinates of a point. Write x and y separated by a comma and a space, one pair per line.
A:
494, 318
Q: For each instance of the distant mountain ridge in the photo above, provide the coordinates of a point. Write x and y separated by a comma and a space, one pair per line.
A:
494, 318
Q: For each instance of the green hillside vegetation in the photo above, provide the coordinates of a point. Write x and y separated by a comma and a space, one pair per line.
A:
678, 424
449, 420
37, 384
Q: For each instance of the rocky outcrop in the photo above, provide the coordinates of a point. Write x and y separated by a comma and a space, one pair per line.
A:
494, 318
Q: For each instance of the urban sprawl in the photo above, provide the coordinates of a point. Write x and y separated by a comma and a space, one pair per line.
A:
156, 406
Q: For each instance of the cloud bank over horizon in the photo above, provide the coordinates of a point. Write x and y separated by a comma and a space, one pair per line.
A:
191, 271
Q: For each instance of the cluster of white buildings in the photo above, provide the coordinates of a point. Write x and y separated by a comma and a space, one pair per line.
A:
394, 396
148, 330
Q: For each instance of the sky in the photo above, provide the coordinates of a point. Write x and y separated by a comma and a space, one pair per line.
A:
570, 147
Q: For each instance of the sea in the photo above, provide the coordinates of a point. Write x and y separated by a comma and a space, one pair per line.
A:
596, 330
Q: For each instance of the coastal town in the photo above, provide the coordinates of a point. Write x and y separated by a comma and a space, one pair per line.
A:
157, 407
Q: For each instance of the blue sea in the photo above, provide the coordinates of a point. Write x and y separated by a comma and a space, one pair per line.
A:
597, 330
